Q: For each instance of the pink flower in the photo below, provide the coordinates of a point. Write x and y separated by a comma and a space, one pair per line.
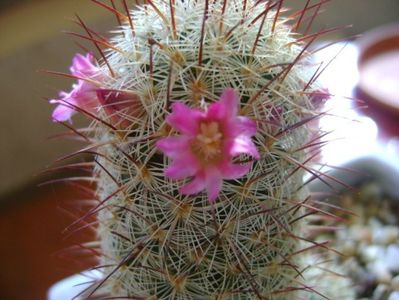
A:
208, 141
83, 94
121, 106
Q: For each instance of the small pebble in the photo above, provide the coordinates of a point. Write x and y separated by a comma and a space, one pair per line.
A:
386, 235
392, 258
348, 248
392, 235
394, 296
381, 272
372, 253
359, 232
381, 292
395, 283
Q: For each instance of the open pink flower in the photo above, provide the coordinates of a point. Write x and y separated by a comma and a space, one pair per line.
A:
120, 105
208, 141
83, 94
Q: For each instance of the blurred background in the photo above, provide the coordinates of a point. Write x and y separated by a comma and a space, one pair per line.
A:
33, 39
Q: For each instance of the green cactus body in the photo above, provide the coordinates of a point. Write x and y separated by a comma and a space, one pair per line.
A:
251, 243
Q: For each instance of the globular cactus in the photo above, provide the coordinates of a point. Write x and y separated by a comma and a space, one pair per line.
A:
202, 116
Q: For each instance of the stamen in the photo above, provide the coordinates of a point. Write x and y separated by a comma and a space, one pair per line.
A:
207, 145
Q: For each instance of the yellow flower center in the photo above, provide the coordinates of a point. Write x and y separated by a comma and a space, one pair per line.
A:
207, 145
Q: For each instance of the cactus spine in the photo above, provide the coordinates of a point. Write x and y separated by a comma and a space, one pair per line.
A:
251, 242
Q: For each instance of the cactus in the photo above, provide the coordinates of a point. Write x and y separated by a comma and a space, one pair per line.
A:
203, 119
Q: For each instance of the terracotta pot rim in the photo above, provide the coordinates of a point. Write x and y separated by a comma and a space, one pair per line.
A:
378, 40
373, 43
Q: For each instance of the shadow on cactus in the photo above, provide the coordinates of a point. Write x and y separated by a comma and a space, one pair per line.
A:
202, 124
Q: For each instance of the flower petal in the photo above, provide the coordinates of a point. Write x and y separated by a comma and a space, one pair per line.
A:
63, 112
123, 107
246, 126
239, 126
81, 96
195, 186
83, 66
243, 145
181, 168
83, 93
213, 183
184, 119
115, 100
234, 171
225, 108
174, 146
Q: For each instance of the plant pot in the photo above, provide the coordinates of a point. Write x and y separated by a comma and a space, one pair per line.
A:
378, 66
72, 286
